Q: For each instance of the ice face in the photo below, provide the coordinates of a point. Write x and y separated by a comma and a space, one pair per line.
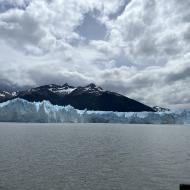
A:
19, 110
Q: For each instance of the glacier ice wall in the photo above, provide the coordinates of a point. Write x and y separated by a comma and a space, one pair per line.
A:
19, 110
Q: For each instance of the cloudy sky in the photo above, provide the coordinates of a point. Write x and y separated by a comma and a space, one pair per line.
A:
140, 48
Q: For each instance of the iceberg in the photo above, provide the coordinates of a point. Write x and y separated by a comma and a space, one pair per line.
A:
19, 110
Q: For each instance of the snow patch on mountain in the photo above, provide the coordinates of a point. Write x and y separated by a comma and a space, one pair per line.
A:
2, 95
7, 94
19, 110
14, 93
62, 90
160, 109
89, 89
57, 89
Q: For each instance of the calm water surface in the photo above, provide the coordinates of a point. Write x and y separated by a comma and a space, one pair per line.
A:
93, 157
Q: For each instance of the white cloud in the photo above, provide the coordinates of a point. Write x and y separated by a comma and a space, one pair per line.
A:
20, 3
151, 29
45, 25
145, 54
168, 85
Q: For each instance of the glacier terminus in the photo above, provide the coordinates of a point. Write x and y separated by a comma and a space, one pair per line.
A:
19, 110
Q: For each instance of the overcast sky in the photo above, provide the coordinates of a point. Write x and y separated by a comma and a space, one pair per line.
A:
140, 48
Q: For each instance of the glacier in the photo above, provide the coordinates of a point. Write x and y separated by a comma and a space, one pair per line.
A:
19, 110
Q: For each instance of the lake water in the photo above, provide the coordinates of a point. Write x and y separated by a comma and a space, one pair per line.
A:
93, 157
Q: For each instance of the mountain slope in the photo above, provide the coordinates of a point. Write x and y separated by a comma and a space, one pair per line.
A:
90, 97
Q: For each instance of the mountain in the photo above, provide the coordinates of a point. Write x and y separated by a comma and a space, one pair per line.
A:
5, 95
90, 97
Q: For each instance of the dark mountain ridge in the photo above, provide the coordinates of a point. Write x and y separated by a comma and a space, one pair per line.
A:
90, 97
